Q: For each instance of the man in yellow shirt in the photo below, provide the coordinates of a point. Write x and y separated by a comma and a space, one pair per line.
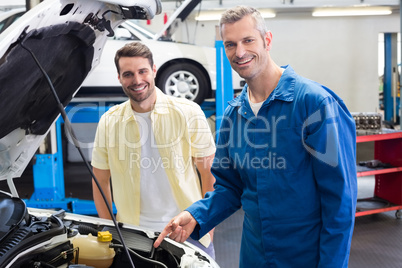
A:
149, 148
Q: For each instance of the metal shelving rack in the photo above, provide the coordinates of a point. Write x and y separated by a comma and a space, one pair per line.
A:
388, 181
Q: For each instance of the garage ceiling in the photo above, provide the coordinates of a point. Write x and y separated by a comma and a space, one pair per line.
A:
288, 5
310, 3
278, 5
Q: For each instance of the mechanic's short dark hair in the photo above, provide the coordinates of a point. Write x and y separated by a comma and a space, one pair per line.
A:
134, 49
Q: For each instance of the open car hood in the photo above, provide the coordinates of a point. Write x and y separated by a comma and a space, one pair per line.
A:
67, 38
177, 17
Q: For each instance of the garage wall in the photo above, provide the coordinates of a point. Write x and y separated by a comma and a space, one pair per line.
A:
341, 53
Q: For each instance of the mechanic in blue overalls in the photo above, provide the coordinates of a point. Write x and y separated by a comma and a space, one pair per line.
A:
286, 153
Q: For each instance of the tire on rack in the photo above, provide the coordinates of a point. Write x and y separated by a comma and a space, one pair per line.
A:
184, 80
398, 214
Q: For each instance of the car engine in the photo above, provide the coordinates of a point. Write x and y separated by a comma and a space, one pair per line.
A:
42, 239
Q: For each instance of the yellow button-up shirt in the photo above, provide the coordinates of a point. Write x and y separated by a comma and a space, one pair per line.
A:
181, 132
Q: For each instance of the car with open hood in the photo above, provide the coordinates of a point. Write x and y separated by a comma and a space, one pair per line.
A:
45, 57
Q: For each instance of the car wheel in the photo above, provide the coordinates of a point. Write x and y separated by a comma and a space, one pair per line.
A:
184, 81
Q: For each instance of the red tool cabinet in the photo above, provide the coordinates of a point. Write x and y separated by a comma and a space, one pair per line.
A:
388, 181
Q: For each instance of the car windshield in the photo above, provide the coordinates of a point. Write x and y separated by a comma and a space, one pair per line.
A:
7, 18
135, 25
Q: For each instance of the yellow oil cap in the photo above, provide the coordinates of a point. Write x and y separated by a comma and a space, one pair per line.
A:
104, 236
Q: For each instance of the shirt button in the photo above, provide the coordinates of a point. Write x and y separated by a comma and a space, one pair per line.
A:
245, 112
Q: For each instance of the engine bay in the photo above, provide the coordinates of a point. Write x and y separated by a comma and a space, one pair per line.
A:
32, 238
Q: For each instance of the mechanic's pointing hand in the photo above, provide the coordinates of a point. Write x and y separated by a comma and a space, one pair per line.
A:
179, 228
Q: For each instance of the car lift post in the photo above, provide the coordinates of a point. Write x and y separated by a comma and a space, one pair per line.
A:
48, 175
48, 171
390, 88
224, 84
400, 61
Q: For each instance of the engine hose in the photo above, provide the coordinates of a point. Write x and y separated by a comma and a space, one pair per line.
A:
84, 229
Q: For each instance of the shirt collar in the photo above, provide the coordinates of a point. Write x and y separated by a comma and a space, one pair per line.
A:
284, 91
162, 102
161, 106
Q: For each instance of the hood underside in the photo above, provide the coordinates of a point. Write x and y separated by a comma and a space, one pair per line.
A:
25, 92
57, 43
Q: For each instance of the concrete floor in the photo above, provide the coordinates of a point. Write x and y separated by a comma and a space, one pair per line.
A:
376, 241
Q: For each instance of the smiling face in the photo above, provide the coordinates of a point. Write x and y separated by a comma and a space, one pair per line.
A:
137, 78
246, 50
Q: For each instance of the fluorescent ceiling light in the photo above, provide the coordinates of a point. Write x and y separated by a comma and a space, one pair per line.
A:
267, 14
352, 11
216, 15
206, 16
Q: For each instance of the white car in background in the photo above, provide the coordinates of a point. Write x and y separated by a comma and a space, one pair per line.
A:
183, 70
